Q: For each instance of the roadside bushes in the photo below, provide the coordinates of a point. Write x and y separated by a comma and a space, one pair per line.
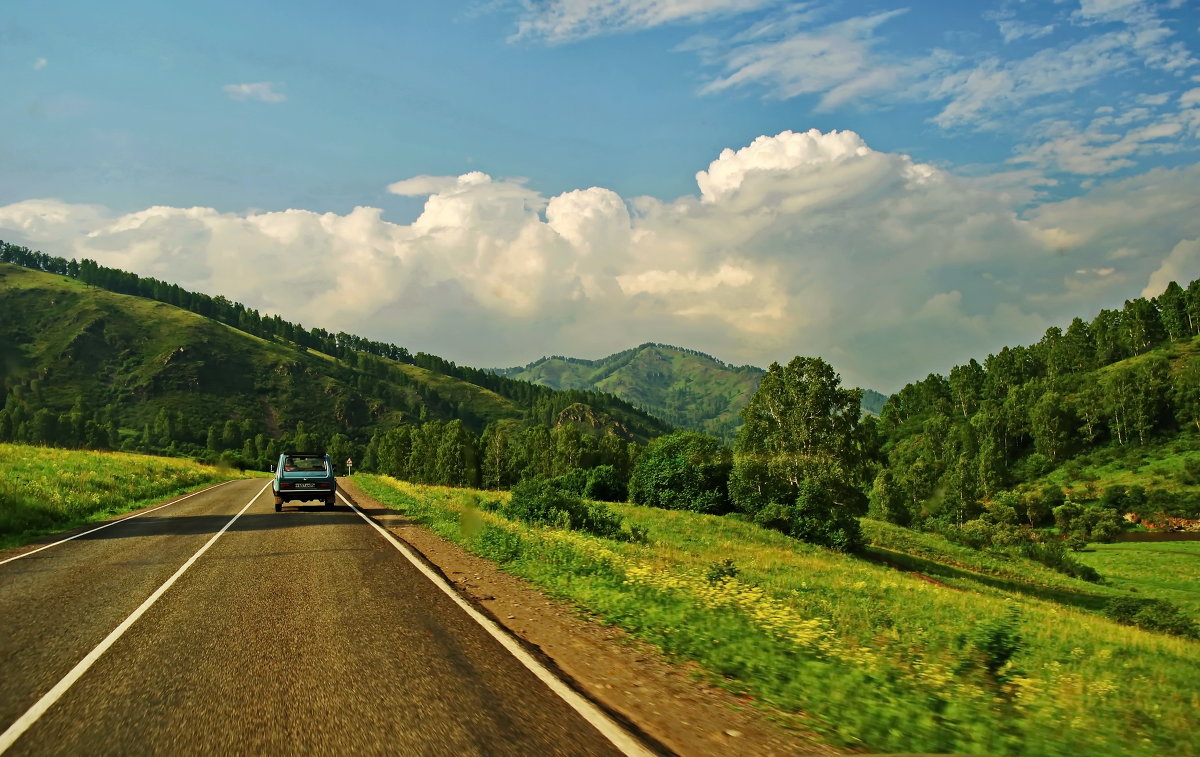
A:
545, 502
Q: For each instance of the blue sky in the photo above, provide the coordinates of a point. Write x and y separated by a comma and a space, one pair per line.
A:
907, 184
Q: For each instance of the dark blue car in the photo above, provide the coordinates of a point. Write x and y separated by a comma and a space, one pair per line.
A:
304, 476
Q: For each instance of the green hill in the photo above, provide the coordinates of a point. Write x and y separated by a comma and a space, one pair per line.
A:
684, 387
84, 366
1106, 411
687, 388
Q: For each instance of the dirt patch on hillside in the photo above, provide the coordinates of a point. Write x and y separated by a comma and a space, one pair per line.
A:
668, 702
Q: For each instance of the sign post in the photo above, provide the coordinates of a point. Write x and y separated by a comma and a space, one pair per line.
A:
349, 466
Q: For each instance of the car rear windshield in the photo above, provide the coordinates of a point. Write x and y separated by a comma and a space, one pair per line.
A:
304, 464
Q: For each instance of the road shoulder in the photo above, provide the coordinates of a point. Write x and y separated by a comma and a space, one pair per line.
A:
669, 702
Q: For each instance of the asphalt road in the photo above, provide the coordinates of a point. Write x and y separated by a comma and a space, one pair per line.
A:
302, 632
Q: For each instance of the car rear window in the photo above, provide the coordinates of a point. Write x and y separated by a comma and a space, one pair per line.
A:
304, 464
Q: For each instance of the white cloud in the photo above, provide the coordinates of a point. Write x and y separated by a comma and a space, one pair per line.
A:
798, 243
39, 64
563, 20
1014, 30
1181, 265
263, 91
1101, 149
836, 61
419, 186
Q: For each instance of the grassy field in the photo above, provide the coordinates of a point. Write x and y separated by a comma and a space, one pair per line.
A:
984, 662
1166, 570
43, 490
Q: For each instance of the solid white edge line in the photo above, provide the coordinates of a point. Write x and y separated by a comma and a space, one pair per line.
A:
39, 708
619, 737
115, 522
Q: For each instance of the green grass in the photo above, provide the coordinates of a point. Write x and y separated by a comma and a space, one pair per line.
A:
876, 658
1164, 570
1159, 465
44, 490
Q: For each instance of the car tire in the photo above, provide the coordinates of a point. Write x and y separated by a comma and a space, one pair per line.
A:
278, 504
329, 503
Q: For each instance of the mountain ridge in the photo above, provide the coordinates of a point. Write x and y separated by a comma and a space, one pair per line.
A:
686, 387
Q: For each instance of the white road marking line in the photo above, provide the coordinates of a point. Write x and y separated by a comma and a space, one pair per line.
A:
619, 737
113, 523
39, 708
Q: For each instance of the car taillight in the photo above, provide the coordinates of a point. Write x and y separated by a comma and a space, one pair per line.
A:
286, 485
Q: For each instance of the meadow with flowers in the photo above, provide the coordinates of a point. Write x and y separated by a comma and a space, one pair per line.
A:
986, 656
45, 489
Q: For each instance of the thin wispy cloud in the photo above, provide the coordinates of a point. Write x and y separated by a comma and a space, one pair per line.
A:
560, 21
39, 64
263, 91
837, 61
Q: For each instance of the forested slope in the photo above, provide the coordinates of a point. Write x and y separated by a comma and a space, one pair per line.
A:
95, 357
1102, 398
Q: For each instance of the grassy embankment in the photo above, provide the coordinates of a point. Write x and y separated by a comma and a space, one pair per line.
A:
43, 489
1163, 570
875, 657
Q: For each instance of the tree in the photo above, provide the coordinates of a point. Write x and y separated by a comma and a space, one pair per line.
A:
887, 501
800, 428
1143, 326
1185, 393
1051, 425
457, 457
685, 470
966, 386
1172, 306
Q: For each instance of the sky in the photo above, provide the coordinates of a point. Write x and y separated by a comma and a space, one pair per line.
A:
896, 187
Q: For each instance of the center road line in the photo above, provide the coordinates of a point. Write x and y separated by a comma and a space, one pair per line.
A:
23, 723
113, 523
609, 728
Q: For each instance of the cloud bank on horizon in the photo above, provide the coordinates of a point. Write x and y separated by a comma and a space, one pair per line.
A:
980, 172
798, 243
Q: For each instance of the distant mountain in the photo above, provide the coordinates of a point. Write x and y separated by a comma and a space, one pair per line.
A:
95, 367
873, 401
687, 388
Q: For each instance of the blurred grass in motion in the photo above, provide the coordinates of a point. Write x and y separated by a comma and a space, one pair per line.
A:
45, 489
874, 657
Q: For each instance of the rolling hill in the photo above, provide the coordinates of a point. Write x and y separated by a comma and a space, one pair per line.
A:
144, 368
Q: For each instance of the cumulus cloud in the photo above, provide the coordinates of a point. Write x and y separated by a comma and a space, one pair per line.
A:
263, 91
797, 243
1180, 265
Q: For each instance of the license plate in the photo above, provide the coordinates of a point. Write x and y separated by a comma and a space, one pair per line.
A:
306, 486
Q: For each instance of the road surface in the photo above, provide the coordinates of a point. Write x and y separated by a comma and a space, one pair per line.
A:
302, 632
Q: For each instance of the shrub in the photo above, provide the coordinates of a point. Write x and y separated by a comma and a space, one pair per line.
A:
991, 645
1153, 615
605, 484
1113, 498
721, 570
1053, 554
814, 517
573, 481
685, 470
544, 502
